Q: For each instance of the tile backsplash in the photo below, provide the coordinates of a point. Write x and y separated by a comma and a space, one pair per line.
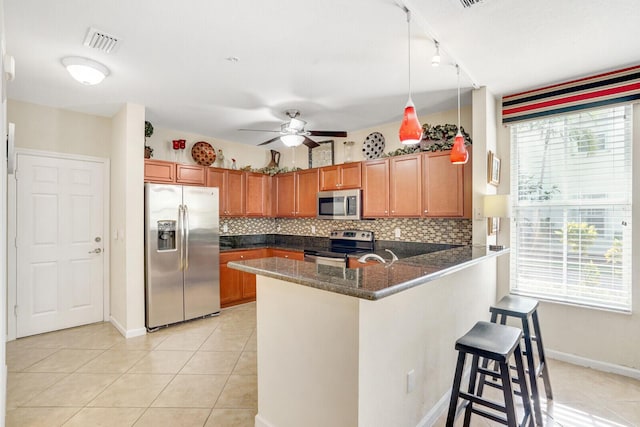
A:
427, 230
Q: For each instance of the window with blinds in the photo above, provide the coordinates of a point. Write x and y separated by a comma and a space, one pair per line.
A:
571, 191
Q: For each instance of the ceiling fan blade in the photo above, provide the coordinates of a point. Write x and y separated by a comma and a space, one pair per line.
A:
260, 130
270, 141
335, 133
310, 143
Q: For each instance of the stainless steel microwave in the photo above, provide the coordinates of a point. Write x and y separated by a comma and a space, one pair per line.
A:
340, 204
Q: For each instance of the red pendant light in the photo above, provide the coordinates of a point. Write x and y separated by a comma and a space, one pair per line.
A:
410, 129
459, 154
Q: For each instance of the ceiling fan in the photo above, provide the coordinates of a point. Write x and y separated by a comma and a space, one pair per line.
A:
292, 133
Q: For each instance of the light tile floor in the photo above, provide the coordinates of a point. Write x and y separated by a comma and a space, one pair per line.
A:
203, 373
199, 373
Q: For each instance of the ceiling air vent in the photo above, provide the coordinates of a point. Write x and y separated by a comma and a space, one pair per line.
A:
469, 3
100, 40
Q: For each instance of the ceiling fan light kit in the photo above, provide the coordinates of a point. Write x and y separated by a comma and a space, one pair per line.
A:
292, 140
292, 133
84, 70
410, 130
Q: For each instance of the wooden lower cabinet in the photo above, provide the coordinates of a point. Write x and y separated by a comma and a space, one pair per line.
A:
282, 253
238, 287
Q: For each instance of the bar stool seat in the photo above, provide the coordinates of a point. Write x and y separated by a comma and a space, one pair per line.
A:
498, 343
526, 309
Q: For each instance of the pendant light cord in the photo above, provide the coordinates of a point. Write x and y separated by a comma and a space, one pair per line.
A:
458, 72
409, 46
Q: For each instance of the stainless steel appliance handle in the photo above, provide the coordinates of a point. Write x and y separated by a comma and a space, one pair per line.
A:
186, 238
181, 230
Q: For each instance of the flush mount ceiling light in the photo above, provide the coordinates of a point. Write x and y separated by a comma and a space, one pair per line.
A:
85, 70
292, 140
459, 154
410, 129
435, 60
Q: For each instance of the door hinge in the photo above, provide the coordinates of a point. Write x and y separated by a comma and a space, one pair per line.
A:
15, 242
15, 174
15, 310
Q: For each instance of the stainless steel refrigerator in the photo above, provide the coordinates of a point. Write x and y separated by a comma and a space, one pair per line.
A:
182, 278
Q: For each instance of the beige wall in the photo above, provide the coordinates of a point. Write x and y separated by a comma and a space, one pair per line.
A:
127, 221
589, 336
161, 142
388, 130
62, 131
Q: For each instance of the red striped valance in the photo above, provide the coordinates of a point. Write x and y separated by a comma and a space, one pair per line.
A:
621, 86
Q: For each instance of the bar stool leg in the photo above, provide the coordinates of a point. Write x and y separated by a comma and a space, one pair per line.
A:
473, 377
533, 378
507, 390
524, 390
541, 356
457, 379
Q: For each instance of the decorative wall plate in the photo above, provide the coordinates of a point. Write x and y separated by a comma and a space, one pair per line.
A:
203, 153
373, 146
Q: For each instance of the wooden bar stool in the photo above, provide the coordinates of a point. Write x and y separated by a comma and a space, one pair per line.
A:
498, 343
525, 309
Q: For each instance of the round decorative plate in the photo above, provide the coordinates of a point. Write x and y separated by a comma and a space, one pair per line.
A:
373, 146
203, 153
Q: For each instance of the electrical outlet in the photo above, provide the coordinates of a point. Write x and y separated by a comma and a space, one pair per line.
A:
313, 229
411, 381
397, 232
225, 228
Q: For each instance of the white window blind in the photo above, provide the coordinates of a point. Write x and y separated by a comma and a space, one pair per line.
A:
571, 190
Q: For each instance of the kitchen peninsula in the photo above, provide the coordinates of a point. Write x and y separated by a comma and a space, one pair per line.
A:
372, 346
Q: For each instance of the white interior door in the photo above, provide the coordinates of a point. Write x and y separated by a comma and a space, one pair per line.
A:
59, 254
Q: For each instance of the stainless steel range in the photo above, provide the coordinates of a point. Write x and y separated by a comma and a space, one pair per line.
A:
342, 244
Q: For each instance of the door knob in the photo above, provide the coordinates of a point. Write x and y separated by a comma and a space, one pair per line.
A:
96, 251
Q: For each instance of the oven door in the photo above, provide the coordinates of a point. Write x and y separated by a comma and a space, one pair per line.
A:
326, 260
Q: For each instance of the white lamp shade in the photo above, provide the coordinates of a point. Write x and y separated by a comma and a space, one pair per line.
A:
497, 206
85, 70
292, 140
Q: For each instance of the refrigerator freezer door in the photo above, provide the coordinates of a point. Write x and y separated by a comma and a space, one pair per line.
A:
201, 274
163, 245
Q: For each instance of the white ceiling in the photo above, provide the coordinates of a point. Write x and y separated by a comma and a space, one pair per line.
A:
342, 63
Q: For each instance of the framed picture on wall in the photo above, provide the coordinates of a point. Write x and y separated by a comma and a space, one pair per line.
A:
321, 155
493, 169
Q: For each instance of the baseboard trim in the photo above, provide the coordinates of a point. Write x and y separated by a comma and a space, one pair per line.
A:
261, 422
436, 412
594, 364
127, 333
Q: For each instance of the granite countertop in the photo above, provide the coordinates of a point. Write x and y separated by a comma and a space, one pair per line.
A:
372, 282
301, 243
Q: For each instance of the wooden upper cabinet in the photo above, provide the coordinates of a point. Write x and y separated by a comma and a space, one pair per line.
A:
191, 174
306, 193
236, 192
296, 193
341, 177
159, 171
375, 188
447, 187
405, 185
232, 190
285, 195
258, 194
